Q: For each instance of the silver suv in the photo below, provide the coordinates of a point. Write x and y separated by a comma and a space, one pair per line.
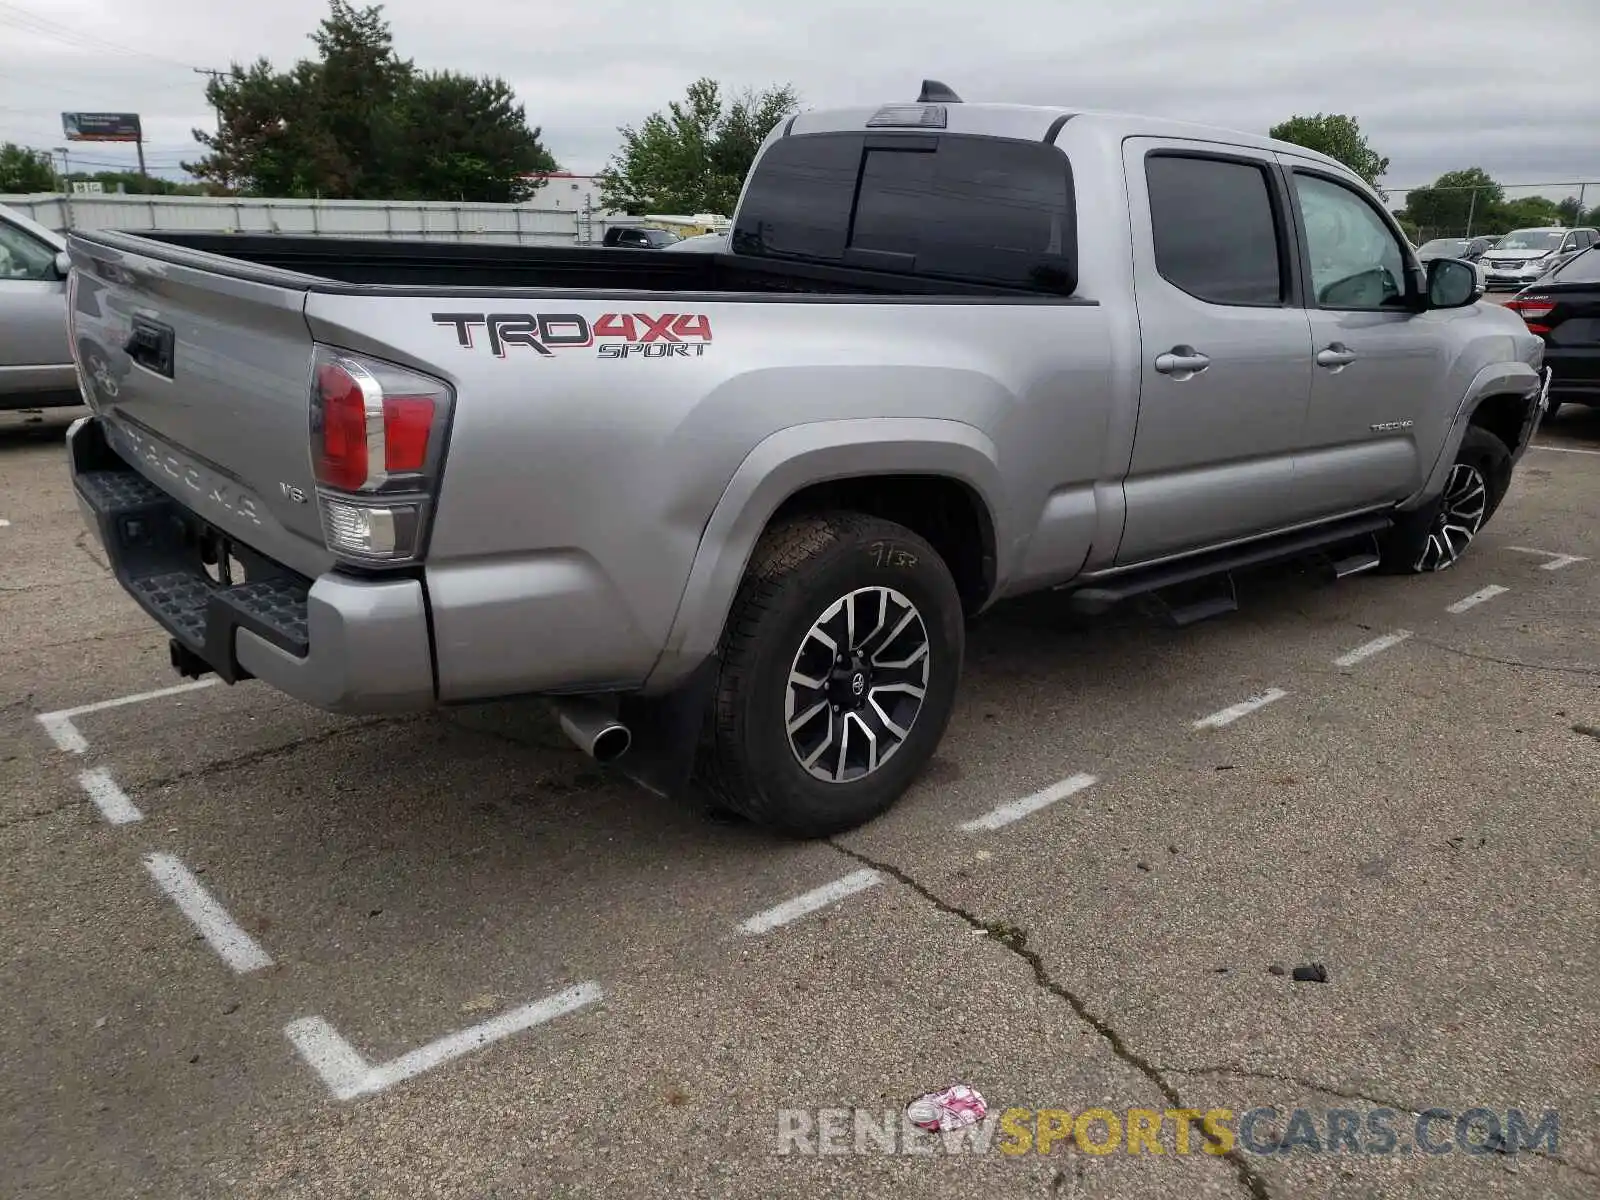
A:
1525, 255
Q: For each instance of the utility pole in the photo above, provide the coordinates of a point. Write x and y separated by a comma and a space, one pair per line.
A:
66, 184
1472, 207
215, 75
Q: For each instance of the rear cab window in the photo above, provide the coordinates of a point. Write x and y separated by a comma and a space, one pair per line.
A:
976, 209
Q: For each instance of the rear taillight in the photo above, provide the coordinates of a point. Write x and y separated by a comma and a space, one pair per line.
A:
1533, 310
377, 441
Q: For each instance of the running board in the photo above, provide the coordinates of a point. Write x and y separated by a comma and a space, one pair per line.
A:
1098, 597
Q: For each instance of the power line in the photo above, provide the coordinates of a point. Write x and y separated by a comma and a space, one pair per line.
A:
28, 21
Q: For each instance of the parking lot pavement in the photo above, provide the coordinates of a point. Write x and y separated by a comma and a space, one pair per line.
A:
258, 950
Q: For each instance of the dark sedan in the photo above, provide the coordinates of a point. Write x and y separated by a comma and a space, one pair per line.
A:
1564, 309
1470, 249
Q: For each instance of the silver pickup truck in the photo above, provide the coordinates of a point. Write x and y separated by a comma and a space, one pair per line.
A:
731, 510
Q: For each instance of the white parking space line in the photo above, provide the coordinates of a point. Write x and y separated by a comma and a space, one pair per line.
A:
1017, 809
110, 799
1244, 708
1560, 449
1557, 561
810, 902
1477, 598
348, 1075
64, 733
1375, 646
236, 947
4, 524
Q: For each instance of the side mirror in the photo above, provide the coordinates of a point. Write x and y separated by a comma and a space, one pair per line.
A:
63, 264
1453, 283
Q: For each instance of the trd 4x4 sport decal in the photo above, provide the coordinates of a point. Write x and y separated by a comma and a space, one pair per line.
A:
618, 335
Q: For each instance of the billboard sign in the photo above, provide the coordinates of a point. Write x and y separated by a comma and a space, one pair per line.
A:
101, 127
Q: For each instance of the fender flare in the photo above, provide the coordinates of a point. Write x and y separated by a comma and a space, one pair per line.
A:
1496, 379
784, 463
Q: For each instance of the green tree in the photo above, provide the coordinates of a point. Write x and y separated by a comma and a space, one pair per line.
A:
1525, 211
1570, 211
478, 142
358, 122
23, 170
1454, 203
1337, 136
693, 157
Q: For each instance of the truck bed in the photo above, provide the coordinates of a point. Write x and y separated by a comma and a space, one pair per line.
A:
443, 268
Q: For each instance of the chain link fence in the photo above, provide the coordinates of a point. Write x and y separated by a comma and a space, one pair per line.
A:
1429, 212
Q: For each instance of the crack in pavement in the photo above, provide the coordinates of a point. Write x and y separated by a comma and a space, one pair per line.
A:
1015, 940
27, 818
1311, 1085
251, 757
1506, 662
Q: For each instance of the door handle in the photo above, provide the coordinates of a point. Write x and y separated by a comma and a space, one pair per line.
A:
1335, 356
1182, 362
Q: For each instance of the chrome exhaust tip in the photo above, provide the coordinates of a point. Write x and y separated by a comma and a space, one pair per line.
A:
594, 730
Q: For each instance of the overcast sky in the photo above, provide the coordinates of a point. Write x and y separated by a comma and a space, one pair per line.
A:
1436, 85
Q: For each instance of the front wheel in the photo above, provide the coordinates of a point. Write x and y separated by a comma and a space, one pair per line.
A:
839, 667
1434, 537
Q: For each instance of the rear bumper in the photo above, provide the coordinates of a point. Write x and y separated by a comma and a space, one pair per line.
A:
339, 642
1576, 373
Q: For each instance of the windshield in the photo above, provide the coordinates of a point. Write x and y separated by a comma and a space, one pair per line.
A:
660, 237
1530, 239
1443, 246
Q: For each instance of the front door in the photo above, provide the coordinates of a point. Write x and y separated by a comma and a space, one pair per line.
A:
1226, 347
1376, 359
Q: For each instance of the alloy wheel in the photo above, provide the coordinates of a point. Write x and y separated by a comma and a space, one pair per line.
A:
857, 684
1460, 516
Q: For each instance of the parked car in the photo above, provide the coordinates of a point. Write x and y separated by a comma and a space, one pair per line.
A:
732, 510
1525, 255
1471, 249
36, 368
632, 237
1564, 310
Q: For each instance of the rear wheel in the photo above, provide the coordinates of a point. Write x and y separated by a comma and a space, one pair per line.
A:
1434, 537
838, 673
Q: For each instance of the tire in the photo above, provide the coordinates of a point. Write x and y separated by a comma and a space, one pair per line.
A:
1552, 407
1434, 537
796, 599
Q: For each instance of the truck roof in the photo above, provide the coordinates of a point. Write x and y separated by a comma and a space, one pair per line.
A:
1035, 122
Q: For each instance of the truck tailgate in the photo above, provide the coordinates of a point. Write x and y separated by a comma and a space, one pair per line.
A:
202, 380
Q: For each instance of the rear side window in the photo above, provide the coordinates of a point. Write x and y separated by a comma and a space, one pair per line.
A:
987, 210
1216, 230
1583, 268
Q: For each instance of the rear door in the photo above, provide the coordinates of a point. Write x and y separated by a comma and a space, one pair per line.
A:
1376, 361
1226, 348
